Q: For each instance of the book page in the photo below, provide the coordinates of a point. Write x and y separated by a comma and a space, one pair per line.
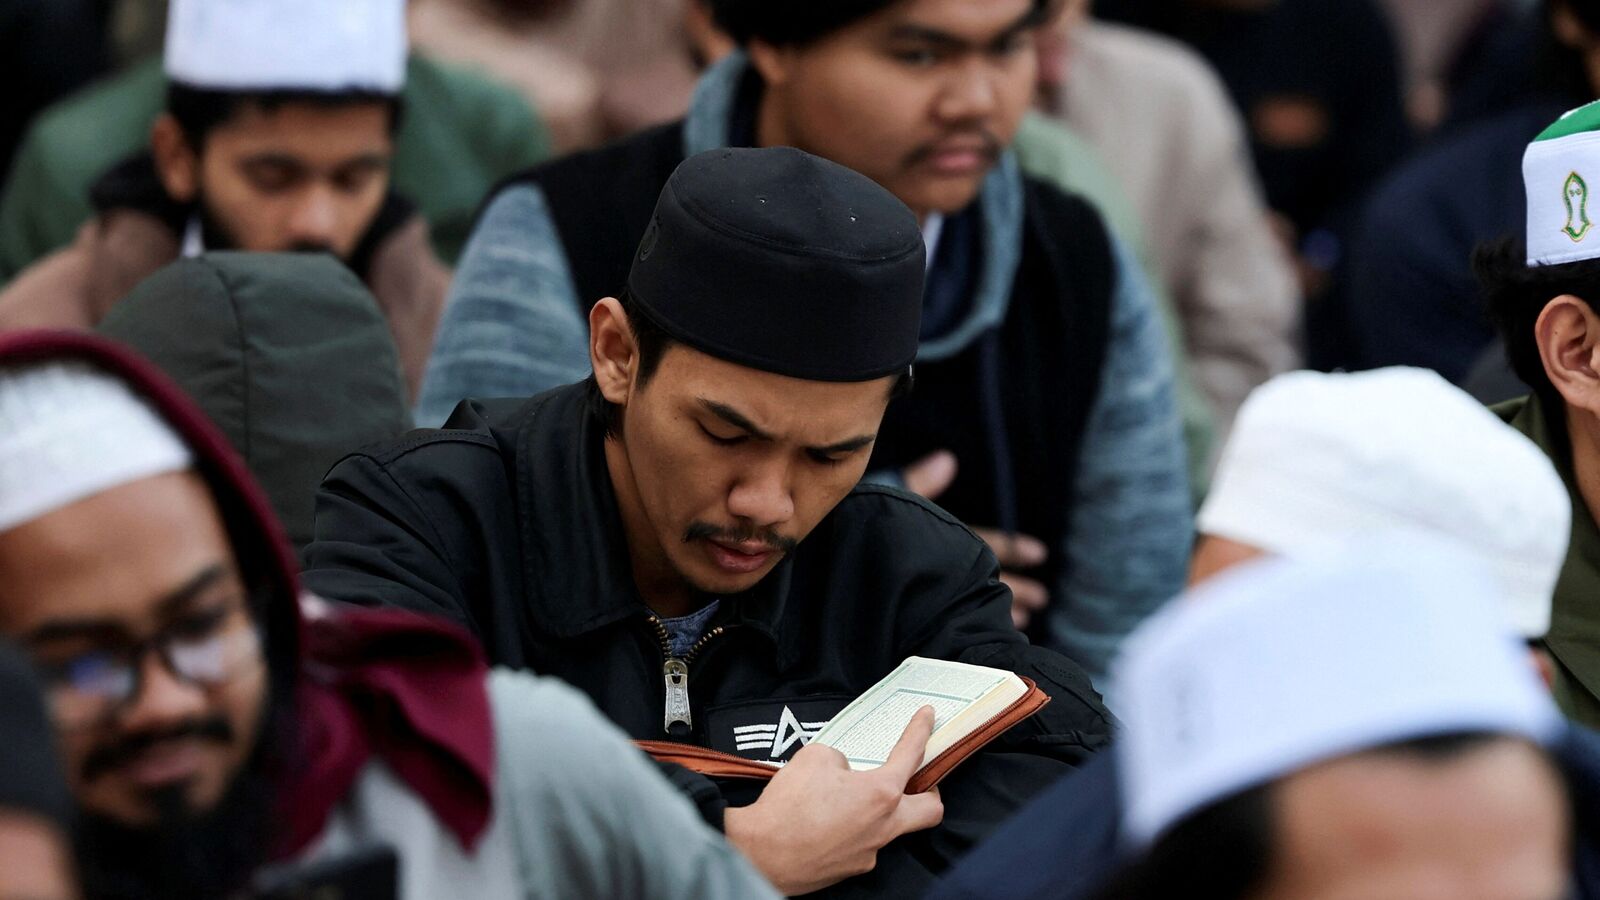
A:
867, 730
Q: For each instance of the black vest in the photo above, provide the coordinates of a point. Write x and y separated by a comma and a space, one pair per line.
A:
1051, 345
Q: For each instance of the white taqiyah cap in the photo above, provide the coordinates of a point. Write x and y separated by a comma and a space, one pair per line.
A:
1283, 663
1558, 170
1317, 459
310, 45
69, 431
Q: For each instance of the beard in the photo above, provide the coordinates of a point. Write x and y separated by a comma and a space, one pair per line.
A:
205, 855
217, 236
185, 854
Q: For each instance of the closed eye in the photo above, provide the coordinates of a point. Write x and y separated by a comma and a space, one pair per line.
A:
721, 441
199, 625
825, 459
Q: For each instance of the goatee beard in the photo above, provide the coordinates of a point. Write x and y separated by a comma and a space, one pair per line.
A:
202, 856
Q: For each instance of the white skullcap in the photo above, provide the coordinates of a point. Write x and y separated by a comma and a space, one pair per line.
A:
311, 45
1315, 460
69, 431
1280, 664
1556, 170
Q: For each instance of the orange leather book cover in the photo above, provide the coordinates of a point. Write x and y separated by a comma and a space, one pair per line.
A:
717, 764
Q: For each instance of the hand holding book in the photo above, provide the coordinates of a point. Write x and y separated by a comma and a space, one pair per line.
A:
819, 822
973, 705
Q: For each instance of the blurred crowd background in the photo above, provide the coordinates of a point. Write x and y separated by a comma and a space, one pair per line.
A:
1373, 141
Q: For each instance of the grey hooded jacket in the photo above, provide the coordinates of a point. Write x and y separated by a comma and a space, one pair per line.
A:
287, 353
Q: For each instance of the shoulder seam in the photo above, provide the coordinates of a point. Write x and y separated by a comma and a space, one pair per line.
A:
423, 438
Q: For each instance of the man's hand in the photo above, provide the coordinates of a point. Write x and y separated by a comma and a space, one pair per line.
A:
818, 823
929, 477
1018, 551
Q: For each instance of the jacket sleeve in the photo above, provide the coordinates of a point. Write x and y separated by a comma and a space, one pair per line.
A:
512, 325
375, 546
967, 618
1127, 542
591, 816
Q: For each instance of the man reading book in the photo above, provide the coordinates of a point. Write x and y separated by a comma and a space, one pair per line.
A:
684, 535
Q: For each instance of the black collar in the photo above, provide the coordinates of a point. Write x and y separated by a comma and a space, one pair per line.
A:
574, 551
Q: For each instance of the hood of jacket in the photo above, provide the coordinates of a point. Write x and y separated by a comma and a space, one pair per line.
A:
264, 344
362, 684
731, 83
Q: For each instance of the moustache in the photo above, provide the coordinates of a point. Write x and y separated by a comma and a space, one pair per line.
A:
768, 538
991, 148
114, 755
312, 247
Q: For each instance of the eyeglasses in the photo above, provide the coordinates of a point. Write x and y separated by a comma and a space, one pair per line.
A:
93, 687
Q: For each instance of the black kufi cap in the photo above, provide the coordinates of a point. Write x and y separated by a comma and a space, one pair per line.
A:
785, 262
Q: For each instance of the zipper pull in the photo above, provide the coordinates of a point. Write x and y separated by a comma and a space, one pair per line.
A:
676, 672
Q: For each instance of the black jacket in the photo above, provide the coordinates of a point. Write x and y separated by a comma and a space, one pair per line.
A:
506, 520
1013, 405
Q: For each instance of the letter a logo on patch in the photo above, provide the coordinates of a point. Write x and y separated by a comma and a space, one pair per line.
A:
1576, 195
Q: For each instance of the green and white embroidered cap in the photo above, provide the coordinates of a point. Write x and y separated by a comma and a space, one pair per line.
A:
1558, 170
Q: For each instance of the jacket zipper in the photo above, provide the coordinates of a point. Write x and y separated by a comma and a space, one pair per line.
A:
675, 671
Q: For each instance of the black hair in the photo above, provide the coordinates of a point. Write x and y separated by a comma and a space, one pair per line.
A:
800, 22
199, 110
653, 343
1226, 850
1515, 293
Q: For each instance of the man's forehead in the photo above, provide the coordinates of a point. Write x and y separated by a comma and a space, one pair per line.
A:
119, 552
810, 412
968, 19
299, 126
144, 609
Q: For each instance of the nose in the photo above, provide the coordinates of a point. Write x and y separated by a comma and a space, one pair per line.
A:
763, 497
970, 94
316, 218
163, 699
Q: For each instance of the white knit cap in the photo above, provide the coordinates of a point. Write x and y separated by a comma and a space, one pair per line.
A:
1558, 169
315, 45
1280, 664
69, 431
1317, 459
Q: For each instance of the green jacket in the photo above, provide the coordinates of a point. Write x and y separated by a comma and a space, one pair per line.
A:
459, 134
1574, 638
263, 343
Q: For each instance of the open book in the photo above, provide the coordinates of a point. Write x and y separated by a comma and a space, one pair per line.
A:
972, 706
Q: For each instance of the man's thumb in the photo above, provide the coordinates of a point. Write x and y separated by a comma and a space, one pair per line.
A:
930, 475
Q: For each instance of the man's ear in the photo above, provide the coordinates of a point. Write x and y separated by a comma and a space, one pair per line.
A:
770, 62
613, 352
1568, 335
177, 163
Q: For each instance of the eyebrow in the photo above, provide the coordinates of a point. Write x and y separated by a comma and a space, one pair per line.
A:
911, 31
365, 161
64, 629
270, 158
739, 420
